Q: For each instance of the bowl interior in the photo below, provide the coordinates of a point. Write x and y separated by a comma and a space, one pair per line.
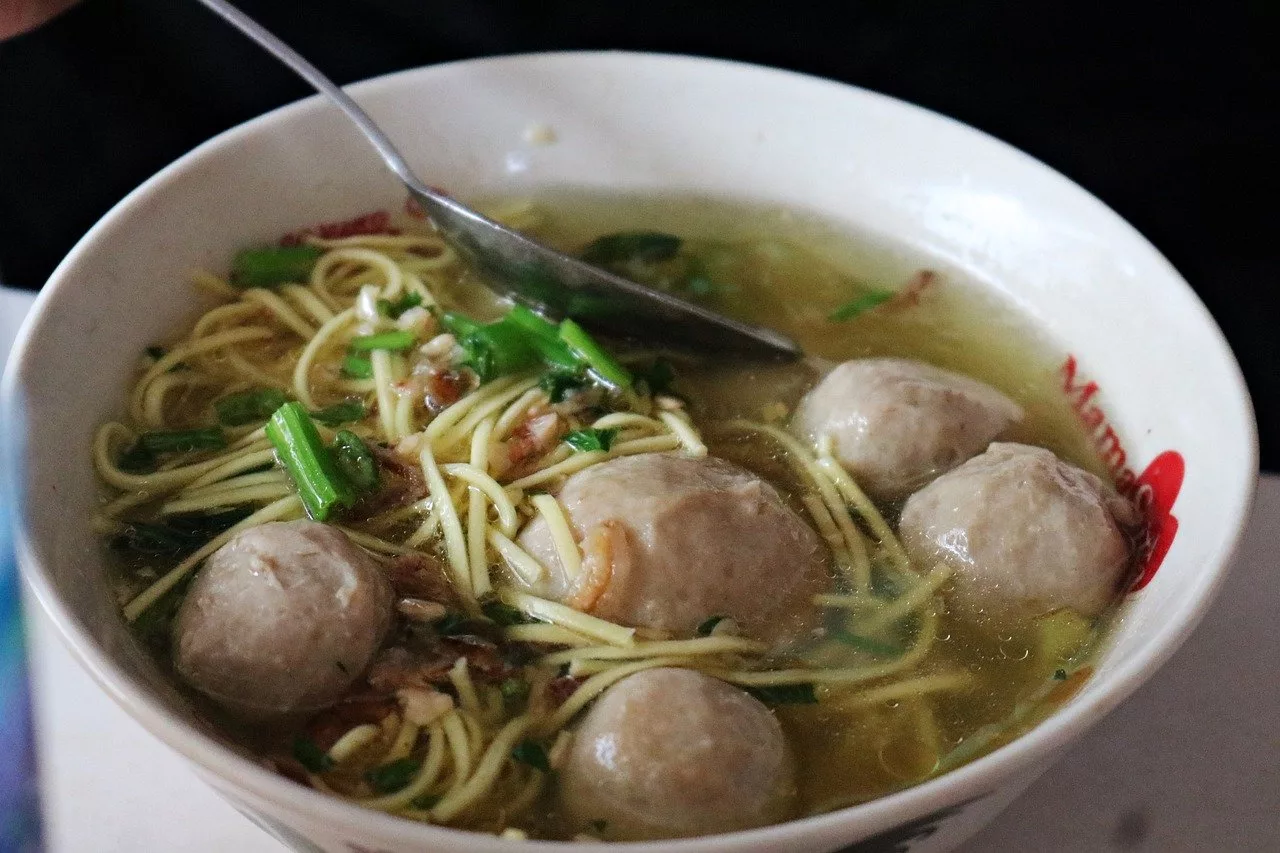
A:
1139, 352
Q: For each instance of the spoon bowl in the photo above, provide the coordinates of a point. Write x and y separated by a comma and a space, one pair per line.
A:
525, 270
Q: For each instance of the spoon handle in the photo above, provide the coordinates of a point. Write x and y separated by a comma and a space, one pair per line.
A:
304, 69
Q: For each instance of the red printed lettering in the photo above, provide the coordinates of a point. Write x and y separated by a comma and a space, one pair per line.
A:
1153, 492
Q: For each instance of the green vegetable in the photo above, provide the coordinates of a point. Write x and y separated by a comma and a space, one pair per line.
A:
267, 266
558, 384
586, 440
602, 365
459, 324
514, 691
248, 406
503, 614
859, 304
410, 299
156, 353
321, 484
177, 534
426, 802
356, 461
705, 629
498, 349
785, 694
311, 756
182, 441
531, 752
452, 624
338, 414
544, 337
357, 366
631, 247
1059, 675
394, 776
866, 644
137, 460
401, 339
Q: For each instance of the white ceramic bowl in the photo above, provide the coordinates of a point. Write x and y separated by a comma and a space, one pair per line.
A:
1146, 365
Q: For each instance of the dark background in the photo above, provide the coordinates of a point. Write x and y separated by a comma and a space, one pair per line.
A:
1169, 112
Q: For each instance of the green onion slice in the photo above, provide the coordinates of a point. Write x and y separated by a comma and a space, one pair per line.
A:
601, 364
182, 441
321, 484
632, 247
532, 753
268, 266
587, 440
348, 411
249, 407
401, 339
860, 304
357, 367
355, 461
394, 776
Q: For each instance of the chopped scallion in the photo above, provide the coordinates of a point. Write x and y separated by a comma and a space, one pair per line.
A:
532, 753
499, 349
558, 384
357, 366
410, 299
401, 339
586, 440
248, 407
859, 304
355, 461
601, 364
321, 484
310, 755
392, 777
348, 411
177, 534
631, 247
183, 441
544, 337
514, 691
137, 459
268, 266
503, 614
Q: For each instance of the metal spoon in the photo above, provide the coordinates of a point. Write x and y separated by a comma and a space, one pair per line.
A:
527, 271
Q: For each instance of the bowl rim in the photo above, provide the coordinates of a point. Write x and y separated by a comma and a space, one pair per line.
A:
979, 777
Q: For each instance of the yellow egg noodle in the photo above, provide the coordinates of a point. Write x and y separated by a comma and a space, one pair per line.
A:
465, 751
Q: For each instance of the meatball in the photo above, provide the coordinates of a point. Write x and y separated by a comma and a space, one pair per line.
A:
895, 424
670, 753
669, 541
1025, 532
281, 619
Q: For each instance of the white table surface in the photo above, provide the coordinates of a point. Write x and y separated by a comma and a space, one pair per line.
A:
1190, 763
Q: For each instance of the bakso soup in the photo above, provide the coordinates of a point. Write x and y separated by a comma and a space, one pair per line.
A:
442, 556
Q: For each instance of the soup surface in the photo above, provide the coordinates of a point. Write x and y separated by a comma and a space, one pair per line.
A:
522, 526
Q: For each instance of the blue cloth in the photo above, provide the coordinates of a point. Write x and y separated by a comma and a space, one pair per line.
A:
20, 826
